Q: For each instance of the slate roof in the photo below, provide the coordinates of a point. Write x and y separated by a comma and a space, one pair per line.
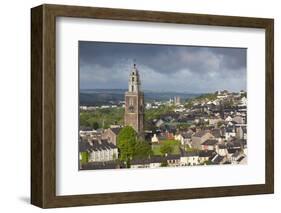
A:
101, 145
210, 142
200, 133
216, 133
217, 159
186, 135
222, 146
240, 158
155, 159
229, 129
237, 143
172, 157
226, 162
84, 146
240, 141
184, 153
206, 153
232, 150
236, 154
116, 130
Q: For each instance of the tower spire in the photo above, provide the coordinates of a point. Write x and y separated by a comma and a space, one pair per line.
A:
134, 80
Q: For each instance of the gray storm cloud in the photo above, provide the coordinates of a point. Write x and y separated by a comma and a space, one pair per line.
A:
162, 67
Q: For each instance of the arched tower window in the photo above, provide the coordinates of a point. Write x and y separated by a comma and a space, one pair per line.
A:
131, 102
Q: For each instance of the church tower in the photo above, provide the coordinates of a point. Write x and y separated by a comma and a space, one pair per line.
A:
134, 102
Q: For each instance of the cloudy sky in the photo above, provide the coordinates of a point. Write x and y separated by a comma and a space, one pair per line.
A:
191, 69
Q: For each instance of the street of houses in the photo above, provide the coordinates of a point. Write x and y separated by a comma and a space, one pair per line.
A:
210, 132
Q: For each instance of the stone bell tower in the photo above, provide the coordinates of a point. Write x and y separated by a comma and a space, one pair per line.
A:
134, 102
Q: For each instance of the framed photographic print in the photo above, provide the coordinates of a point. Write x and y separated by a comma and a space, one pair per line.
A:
136, 106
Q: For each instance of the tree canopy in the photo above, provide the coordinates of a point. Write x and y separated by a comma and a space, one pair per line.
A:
126, 142
142, 150
166, 148
102, 118
131, 147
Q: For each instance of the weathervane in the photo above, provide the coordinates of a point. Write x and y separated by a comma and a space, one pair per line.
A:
134, 62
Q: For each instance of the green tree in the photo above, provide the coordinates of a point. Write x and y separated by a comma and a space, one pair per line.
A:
126, 142
142, 150
104, 117
164, 164
208, 162
84, 119
95, 125
188, 105
243, 95
151, 114
84, 157
166, 148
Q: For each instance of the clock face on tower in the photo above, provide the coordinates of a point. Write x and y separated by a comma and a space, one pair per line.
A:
131, 109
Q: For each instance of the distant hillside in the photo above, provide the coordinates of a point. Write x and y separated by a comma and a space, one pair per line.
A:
114, 96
